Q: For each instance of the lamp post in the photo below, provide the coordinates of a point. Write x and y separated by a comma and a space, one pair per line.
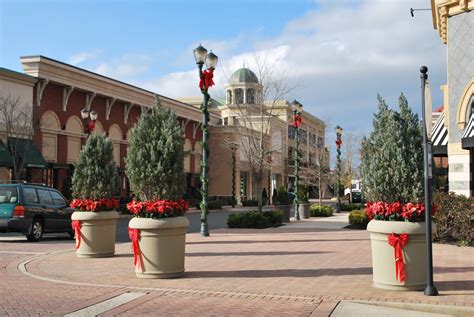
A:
89, 118
338, 166
233, 148
430, 289
202, 57
297, 109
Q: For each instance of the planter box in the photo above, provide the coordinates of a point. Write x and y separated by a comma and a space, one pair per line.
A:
286, 210
383, 254
303, 210
162, 246
97, 233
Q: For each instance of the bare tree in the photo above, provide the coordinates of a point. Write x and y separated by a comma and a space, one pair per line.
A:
16, 120
349, 169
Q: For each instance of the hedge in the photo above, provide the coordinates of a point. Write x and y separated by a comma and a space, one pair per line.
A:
350, 207
250, 203
358, 219
255, 219
320, 211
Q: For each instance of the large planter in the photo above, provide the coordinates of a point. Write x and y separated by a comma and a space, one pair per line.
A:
286, 210
97, 233
162, 246
303, 210
383, 254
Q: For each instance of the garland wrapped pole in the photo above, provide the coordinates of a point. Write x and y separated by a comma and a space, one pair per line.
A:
297, 121
430, 289
206, 81
338, 167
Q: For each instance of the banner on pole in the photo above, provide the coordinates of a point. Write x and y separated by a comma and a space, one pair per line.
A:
428, 109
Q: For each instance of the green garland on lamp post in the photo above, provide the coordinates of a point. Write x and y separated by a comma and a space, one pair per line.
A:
202, 57
338, 166
297, 109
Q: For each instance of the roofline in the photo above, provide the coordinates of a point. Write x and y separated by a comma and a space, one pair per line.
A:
27, 77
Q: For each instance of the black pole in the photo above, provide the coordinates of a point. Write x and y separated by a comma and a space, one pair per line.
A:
234, 148
205, 156
430, 289
297, 166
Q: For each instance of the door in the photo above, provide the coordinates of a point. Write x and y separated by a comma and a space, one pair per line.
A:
51, 217
63, 210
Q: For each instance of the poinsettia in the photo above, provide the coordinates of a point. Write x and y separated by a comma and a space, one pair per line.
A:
158, 208
102, 204
396, 211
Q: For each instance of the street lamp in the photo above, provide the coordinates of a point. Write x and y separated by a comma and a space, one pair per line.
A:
89, 118
338, 167
297, 109
233, 148
430, 289
202, 57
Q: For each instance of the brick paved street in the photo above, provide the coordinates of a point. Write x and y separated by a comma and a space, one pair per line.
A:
298, 270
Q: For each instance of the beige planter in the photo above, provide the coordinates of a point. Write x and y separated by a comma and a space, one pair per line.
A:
303, 210
97, 233
383, 254
162, 246
286, 210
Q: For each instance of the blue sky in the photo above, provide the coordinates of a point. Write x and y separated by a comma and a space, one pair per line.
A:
339, 53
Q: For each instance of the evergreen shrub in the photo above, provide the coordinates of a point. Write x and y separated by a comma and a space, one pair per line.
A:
255, 219
214, 204
358, 219
282, 197
350, 207
250, 203
320, 211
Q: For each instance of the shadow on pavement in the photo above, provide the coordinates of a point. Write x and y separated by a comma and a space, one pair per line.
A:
254, 253
280, 273
455, 285
272, 241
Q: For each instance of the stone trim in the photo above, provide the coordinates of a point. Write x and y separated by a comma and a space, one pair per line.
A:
463, 106
441, 10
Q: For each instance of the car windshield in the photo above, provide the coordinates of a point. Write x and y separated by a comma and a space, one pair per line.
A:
8, 195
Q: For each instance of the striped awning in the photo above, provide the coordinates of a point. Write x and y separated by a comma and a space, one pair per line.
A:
467, 139
439, 137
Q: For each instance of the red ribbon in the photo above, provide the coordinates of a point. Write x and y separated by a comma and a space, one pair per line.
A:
76, 225
206, 79
297, 121
338, 142
91, 126
398, 241
134, 235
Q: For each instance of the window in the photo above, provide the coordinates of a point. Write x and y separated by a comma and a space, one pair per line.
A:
303, 136
57, 198
250, 96
226, 121
229, 97
45, 197
8, 195
30, 195
239, 96
291, 132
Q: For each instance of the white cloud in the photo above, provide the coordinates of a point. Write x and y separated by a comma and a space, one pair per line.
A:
125, 68
84, 56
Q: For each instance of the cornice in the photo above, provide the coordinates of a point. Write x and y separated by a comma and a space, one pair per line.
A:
441, 10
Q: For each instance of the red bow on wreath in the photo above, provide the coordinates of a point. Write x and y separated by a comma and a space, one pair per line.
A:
134, 235
398, 241
338, 142
297, 121
76, 226
206, 79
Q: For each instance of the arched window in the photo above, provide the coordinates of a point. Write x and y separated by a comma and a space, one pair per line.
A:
229, 97
239, 96
250, 96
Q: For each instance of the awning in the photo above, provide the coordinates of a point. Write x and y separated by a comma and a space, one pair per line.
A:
439, 137
467, 139
27, 151
5, 157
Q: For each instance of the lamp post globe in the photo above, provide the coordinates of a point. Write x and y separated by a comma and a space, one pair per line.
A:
94, 115
211, 60
200, 54
84, 113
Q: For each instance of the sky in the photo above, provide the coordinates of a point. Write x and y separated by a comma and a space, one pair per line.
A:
338, 54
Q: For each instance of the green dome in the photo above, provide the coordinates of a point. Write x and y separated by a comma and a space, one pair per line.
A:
243, 75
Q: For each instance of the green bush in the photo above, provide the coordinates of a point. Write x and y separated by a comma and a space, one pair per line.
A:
255, 219
250, 203
320, 211
358, 218
453, 218
282, 197
214, 204
350, 207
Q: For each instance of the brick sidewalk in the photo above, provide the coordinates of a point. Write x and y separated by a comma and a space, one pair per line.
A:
297, 270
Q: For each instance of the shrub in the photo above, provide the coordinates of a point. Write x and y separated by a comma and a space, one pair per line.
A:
453, 218
302, 193
250, 203
282, 197
214, 204
358, 219
350, 207
255, 219
320, 211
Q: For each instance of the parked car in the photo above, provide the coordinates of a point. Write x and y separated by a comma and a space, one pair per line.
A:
33, 210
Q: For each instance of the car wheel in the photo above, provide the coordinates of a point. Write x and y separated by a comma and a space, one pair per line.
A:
36, 231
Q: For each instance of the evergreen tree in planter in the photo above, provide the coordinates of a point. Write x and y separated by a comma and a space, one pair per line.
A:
155, 168
392, 179
94, 185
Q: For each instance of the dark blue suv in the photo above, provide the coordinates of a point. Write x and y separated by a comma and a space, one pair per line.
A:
33, 210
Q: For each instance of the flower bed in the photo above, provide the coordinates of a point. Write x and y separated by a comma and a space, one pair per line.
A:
396, 211
157, 209
103, 204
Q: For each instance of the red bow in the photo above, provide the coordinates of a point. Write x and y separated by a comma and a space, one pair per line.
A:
76, 226
338, 142
297, 121
91, 126
398, 241
206, 79
134, 235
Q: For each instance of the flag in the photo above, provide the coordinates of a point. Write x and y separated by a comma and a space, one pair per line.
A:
428, 109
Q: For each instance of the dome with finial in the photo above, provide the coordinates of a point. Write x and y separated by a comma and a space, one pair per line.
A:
243, 75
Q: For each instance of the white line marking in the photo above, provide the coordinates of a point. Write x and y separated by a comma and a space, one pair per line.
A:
106, 305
